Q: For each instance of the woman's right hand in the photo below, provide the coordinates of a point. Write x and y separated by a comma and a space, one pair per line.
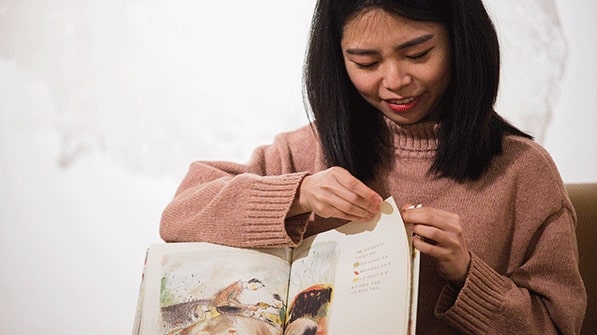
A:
336, 193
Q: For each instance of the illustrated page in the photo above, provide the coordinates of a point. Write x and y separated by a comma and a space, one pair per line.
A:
201, 288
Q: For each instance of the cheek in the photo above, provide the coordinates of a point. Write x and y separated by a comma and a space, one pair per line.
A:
442, 75
365, 84
435, 78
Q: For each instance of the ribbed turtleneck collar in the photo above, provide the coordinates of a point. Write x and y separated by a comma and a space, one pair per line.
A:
414, 141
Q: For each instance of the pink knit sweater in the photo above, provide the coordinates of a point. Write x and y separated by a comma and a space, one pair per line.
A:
518, 222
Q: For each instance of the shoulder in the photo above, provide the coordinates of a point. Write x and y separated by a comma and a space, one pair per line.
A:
302, 135
300, 148
526, 156
301, 141
532, 172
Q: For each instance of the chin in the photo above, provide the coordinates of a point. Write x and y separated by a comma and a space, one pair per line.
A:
405, 120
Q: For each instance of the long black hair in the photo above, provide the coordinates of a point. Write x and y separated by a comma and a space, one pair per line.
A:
353, 133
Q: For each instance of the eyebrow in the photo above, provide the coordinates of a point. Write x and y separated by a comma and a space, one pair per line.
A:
407, 44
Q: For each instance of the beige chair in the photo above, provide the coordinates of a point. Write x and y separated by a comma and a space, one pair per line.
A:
584, 198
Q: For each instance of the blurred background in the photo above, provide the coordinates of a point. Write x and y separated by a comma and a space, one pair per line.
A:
104, 104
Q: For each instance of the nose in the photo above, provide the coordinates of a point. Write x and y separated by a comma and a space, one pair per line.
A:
395, 77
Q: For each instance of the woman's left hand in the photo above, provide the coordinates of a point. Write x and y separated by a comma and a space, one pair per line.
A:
439, 234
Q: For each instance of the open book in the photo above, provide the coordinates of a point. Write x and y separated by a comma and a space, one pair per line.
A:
361, 278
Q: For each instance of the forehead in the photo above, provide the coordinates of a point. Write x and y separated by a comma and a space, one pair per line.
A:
375, 24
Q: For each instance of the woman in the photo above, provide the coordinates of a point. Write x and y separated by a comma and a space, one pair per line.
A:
401, 94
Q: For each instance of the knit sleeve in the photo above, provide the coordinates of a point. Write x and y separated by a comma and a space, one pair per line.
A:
544, 296
241, 205
542, 293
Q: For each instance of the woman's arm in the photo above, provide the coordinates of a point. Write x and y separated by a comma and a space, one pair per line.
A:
241, 209
544, 295
244, 204
270, 201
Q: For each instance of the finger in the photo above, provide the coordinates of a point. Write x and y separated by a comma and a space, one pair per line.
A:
332, 212
356, 192
428, 234
425, 247
432, 217
353, 202
433, 249
450, 266
436, 243
336, 206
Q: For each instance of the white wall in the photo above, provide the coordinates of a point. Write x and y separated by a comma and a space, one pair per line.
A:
103, 104
571, 136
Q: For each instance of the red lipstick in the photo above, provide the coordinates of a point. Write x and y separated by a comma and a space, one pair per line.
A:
403, 106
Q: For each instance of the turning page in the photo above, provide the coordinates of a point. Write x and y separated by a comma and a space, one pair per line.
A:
361, 278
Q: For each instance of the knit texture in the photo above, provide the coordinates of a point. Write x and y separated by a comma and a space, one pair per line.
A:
517, 219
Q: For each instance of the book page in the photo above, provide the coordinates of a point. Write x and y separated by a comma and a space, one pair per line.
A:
202, 288
355, 279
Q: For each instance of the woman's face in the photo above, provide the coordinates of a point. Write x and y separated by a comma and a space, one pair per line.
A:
400, 66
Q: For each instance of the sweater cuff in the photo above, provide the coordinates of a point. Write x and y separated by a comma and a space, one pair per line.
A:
269, 202
469, 309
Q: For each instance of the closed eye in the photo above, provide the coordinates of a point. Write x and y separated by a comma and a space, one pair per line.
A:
419, 55
365, 65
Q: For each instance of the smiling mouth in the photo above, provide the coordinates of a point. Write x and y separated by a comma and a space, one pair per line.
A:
404, 105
